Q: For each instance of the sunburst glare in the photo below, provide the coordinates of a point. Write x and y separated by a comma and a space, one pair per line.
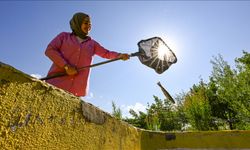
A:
162, 51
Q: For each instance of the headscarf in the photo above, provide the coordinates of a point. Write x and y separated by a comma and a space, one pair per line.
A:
76, 23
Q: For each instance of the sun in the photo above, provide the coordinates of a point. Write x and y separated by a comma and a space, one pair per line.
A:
163, 52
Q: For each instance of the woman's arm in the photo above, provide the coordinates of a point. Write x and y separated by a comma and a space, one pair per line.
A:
53, 51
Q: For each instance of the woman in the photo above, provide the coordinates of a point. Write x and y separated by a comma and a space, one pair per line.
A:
69, 51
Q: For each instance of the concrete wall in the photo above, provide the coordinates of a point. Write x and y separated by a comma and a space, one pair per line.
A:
196, 140
35, 115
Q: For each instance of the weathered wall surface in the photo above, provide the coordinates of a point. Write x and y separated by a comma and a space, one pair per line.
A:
206, 140
35, 115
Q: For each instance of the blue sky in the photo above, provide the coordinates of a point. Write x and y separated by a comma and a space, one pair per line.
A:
195, 30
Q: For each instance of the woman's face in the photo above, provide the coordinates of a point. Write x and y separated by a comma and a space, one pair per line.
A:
86, 25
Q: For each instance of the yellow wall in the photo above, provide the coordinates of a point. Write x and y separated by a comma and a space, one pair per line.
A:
196, 140
35, 115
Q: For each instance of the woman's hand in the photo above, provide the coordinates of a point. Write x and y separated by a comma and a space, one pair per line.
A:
124, 56
70, 70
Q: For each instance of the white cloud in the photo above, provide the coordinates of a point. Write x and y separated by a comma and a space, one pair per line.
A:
137, 107
91, 96
106, 105
38, 76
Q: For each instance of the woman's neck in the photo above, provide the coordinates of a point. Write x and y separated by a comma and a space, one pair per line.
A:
80, 40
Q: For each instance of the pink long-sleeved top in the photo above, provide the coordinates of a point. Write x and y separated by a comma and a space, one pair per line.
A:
65, 49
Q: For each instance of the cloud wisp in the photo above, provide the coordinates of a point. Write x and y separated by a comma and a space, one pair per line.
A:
35, 75
137, 108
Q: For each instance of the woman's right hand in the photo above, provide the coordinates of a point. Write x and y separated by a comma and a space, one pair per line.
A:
70, 70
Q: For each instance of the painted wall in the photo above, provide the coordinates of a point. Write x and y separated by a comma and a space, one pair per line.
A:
35, 115
220, 140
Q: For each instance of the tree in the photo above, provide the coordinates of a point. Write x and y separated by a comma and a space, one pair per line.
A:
243, 88
161, 115
116, 112
222, 103
138, 120
197, 108
225, 79
231, 87
180, 112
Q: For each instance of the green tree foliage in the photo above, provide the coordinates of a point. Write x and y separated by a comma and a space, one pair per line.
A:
225, 80
161, 115
116, 112
181, 115
229, 92
243, 90
222, 103
198, 109
138, 120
